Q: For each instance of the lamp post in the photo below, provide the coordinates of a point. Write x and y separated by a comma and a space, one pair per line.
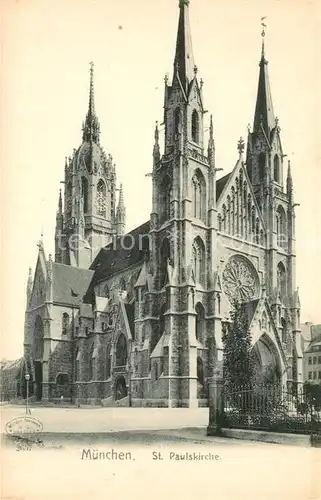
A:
27, 377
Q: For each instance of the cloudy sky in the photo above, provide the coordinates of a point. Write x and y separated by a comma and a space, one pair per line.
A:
46, 49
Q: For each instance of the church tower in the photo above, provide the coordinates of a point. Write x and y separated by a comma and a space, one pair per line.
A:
87, 220
265, 167
182, 234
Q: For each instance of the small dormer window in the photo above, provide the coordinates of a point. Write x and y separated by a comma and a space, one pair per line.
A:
195, 127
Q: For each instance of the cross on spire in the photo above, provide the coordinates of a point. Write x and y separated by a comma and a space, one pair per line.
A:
240, 145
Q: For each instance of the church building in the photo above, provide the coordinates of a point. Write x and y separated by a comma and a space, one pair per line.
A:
136, 319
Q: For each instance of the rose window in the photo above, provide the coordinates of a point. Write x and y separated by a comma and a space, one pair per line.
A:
239, 280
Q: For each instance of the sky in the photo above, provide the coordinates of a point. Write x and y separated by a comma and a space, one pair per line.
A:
46, 48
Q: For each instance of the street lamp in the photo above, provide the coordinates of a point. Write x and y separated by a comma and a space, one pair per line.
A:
27, 377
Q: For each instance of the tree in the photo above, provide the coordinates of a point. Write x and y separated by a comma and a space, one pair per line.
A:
238, 364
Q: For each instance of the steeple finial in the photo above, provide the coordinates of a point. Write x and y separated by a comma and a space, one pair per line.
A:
91, 127
120, 213
264, 113
263, 35
184, 61
156, 135
156, 150
240, 146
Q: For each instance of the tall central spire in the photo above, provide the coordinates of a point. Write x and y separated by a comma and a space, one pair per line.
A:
184, 60
264, 113
91, 127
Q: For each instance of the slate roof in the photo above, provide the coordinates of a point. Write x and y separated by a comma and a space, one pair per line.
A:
220, 184
69, 283
130, 311
114, 258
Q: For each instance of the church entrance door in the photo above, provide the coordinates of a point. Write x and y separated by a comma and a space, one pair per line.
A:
38, 379
121, 389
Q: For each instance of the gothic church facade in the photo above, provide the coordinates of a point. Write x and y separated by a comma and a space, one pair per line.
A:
137, 318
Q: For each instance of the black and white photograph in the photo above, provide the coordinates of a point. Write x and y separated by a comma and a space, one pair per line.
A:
161, 240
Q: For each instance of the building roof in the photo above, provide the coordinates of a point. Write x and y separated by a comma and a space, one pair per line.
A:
69, 283
118, 256
220, 184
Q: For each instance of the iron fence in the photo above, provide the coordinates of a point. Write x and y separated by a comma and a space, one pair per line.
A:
270, 408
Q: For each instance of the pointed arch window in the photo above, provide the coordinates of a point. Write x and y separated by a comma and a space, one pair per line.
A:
283, 325
281, 227
177, 116
84, 193
249, 168
121, 350
65, 323
101, 198
199, 322
38, 339
195, 126
261, 166
224, 217
198, 252
276, 168
165, 198
199, 195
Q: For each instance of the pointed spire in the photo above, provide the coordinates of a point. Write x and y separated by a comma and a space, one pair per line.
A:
184, 60
121, 212
264, 114
289, 181
91, 128
156, 150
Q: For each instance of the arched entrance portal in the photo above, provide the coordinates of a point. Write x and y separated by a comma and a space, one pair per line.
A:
120, 388
267, 362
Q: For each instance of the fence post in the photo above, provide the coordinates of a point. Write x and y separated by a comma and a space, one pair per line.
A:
216, 403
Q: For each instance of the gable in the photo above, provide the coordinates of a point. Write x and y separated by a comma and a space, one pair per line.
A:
238, 212
262, 324
38, 294
122, 321
194, 94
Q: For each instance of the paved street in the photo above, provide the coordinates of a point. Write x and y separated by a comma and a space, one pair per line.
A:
99, 420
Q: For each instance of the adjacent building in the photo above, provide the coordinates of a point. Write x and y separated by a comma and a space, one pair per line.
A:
312, 353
